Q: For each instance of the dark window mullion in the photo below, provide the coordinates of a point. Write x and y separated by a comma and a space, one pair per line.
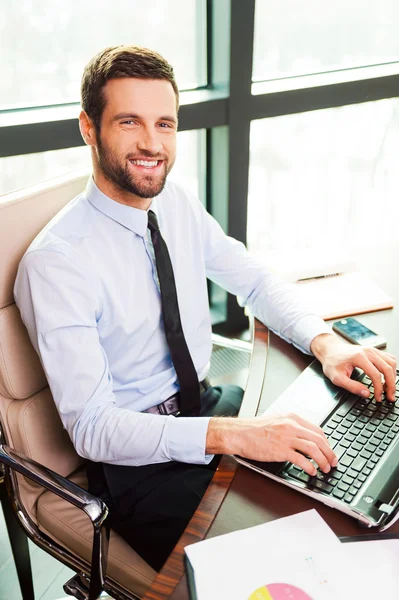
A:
241, 53
326, 96
217, 163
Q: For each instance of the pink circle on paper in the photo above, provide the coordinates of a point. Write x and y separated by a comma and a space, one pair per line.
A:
285, 591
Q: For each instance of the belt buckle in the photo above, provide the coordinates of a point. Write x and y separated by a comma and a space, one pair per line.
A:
170, 406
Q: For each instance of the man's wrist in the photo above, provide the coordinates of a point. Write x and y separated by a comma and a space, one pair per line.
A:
320, 344
220, 435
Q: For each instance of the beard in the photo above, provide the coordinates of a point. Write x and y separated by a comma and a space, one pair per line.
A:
146, 186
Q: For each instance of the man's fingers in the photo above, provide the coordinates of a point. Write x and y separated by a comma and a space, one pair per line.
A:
376, 368
368, 366
321, 454
302, 462
312, 441
376, 365
387, 354
355, 387
386, 363
307, 424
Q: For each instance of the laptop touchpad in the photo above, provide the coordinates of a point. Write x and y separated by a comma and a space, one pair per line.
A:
311, 396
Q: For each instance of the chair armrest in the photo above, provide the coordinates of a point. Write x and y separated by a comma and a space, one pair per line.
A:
95, 508
74, 494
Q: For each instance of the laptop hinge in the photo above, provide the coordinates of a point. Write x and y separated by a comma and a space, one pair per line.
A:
386, 508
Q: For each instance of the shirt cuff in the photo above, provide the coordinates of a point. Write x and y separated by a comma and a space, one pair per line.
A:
306, 329
186, 439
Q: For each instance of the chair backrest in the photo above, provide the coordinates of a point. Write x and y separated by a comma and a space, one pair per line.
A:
28, 415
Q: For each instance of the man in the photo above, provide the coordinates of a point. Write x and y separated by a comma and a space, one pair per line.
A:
96, 292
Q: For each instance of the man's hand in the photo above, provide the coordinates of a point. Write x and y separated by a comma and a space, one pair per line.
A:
272, 438
339, 359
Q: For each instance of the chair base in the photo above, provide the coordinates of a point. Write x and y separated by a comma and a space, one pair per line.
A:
77, 587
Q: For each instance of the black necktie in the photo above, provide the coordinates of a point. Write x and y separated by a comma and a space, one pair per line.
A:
182, 361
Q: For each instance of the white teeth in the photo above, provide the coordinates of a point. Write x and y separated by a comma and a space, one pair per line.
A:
145, 163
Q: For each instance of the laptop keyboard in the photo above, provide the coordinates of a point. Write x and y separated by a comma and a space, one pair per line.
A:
360, 432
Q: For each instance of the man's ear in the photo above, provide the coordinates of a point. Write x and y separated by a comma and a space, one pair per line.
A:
87, 129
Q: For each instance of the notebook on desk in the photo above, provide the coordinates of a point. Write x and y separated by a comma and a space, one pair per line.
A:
342, 295
330, 286
365, 436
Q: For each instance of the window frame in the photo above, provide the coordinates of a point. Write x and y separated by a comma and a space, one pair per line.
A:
225, 109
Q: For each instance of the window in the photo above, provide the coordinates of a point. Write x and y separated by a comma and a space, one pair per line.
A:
189, 169
325, 179
299, 37
30, 169
45, 45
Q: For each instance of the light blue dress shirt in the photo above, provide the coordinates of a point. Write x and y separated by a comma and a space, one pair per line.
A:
88, 293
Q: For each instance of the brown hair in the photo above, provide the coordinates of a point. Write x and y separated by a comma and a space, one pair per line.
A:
118, 62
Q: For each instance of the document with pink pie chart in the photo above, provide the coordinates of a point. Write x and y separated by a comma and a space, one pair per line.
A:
293, 558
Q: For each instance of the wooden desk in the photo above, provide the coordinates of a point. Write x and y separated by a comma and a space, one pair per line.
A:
242, 498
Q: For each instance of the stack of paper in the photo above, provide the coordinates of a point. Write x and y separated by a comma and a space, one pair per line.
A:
294, 558
342, 295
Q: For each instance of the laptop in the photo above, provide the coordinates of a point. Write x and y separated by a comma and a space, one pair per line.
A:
365, 436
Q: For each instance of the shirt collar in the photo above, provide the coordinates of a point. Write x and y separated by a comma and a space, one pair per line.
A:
132, 218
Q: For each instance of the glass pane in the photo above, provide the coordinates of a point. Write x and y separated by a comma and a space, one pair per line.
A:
29, 169
45, 45
324, 184
189, 168
298, 37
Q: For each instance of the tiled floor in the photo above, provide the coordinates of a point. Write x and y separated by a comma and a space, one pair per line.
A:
49, 575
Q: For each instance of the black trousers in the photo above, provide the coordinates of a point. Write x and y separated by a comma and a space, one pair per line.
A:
150, 506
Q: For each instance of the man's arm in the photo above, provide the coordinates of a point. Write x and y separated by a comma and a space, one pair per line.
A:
231, 266
289, 437
274, 303
59, 304
272, 438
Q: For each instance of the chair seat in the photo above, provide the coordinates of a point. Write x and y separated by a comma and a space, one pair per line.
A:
71, 527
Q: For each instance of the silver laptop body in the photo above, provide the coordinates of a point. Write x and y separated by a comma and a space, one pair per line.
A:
374, 493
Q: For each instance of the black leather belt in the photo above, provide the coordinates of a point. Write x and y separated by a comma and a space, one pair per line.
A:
171, 406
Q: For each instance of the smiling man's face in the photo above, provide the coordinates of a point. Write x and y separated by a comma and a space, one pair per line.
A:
136, 146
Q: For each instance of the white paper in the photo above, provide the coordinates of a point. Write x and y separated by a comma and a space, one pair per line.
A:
294, 558
374, 565
300, 551
308, 263
341, 295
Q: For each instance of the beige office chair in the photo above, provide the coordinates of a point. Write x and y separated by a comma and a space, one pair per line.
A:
58, 515
46, 479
